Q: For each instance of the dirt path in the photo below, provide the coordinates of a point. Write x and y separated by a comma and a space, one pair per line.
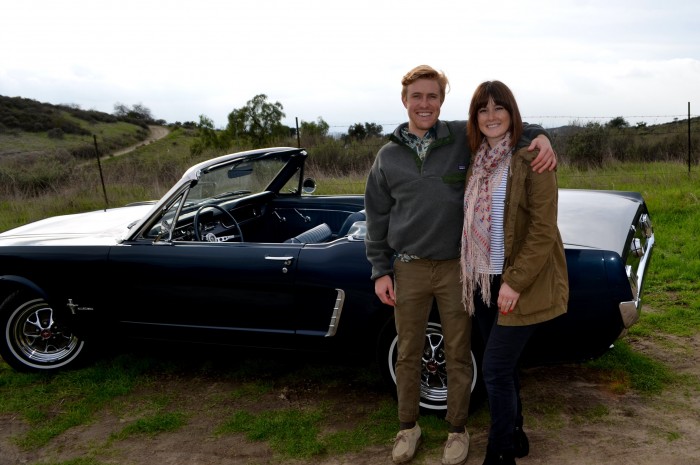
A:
573, 417
157, 132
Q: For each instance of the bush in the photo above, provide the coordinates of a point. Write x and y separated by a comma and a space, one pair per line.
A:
586, 148
55, 133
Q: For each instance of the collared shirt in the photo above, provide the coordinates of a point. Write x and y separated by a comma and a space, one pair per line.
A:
419, 144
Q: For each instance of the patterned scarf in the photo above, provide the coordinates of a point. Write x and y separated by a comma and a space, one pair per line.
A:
487, 173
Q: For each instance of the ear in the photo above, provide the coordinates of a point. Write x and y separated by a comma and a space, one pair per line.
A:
404, 100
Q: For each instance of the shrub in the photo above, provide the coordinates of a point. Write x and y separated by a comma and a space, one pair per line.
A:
55, 133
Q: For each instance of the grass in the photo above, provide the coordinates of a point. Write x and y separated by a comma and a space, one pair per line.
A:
54, 404
292, 432
622, 367
107, 135
161, 422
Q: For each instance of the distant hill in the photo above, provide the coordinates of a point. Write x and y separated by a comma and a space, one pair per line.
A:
31, 127
32, 116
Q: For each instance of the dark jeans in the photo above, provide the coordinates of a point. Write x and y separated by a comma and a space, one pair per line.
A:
503, 347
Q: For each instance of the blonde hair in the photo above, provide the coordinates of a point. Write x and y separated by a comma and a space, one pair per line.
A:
425, 72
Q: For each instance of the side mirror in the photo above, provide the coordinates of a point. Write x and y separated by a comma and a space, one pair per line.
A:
308, 186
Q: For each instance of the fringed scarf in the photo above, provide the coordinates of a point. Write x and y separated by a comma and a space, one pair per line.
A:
487, 173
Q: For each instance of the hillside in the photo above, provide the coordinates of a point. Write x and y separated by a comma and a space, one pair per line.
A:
29, 127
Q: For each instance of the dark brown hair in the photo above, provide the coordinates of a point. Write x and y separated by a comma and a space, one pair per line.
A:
501, 95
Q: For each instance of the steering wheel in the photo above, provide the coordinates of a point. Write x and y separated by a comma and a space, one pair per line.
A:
235, 225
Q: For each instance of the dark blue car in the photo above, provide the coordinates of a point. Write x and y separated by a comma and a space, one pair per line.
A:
239, 252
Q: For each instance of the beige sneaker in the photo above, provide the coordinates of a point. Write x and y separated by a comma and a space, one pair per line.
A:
456, 449
405, 444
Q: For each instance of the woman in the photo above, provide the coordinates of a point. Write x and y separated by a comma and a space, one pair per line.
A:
513, 265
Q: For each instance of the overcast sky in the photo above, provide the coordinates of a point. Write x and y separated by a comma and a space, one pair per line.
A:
566, 60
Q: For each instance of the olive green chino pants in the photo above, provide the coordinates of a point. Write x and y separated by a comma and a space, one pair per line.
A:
416, 284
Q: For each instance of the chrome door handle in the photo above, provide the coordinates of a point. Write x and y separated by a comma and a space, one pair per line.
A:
286, 261
279, 259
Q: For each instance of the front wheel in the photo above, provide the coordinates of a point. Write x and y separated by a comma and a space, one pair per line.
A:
433, 386
34, 336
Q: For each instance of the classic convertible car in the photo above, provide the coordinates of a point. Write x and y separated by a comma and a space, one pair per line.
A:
240, 253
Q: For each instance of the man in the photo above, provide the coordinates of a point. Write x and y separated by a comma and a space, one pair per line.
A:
414, 207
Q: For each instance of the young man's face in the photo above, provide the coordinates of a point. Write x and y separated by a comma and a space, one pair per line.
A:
423, 104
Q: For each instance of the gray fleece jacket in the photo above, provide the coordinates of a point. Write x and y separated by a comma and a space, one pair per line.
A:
416, 207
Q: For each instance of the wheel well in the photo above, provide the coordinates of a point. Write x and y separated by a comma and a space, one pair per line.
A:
10, 284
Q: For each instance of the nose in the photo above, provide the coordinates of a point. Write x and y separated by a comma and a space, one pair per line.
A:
490, 114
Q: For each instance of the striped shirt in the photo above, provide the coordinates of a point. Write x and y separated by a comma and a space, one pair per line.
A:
497, 244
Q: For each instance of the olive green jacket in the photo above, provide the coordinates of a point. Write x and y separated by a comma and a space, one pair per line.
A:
535, 264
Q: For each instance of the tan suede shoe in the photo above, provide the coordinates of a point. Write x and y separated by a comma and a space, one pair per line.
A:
405, 444
456, 449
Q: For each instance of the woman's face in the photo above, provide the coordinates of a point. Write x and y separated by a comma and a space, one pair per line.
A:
494, 122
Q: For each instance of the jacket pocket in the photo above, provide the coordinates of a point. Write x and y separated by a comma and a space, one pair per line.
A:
540, 295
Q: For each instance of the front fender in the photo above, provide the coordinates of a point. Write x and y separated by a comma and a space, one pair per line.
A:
14, 282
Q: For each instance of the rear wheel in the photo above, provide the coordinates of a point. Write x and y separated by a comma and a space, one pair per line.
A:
433, 386
35, 337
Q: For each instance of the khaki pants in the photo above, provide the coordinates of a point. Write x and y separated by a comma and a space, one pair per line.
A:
416, 284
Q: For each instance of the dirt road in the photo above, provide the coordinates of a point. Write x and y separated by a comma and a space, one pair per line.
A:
157, 132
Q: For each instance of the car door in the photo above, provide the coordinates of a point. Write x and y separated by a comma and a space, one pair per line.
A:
240, 293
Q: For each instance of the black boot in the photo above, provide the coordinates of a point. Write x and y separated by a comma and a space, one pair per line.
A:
520, 442
504, 457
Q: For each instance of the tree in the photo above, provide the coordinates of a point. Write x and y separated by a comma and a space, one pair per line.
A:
618, 123
137, 112
208, 137
374, 130
359, 131
312, 133
314, 129
260, 121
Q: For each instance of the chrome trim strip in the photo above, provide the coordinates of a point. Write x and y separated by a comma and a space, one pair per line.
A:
643, 264
337, 311
630, 310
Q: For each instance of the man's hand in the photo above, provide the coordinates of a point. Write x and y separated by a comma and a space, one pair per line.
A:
384, 288
546, 159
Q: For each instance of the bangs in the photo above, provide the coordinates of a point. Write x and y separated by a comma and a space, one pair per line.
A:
494, 92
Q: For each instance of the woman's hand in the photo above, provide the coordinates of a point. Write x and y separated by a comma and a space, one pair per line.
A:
507, 299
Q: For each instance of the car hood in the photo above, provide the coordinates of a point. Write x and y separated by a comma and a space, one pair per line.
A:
104, 227
597, 219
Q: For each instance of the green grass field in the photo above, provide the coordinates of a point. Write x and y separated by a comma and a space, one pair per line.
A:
671, 297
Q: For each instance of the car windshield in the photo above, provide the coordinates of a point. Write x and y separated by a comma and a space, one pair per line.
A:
217, 184
240, 177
